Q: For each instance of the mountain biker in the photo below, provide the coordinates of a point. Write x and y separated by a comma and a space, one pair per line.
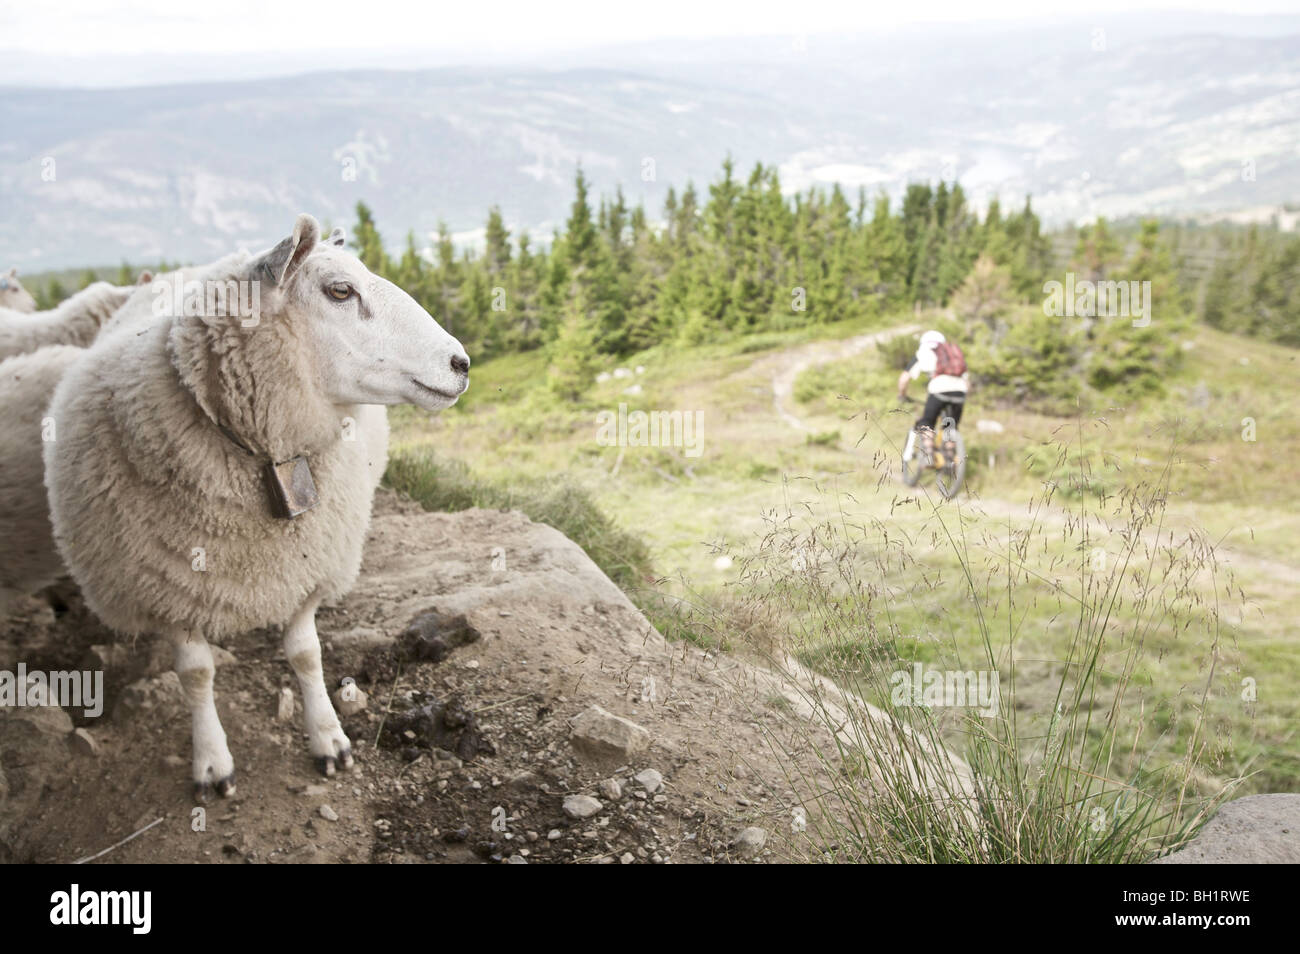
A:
949, 383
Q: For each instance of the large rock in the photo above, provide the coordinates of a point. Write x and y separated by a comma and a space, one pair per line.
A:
1255, 830
34, 753
602, 735
559, 647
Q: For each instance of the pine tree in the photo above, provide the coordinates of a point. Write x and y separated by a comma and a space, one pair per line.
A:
986, 294
366, 240
573, 352
497, 255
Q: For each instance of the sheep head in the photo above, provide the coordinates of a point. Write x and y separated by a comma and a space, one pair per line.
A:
13, 294
371, 342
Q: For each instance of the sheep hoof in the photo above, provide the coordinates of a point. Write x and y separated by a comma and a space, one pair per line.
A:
224, 787
328, 765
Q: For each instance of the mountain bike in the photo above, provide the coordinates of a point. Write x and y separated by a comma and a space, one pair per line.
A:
947, 457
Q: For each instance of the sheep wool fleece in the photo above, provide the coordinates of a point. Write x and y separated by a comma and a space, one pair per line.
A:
163, 520
28, 557
75, 321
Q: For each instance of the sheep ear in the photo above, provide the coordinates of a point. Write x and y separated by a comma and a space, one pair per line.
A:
286, 258
338, 238
145, 277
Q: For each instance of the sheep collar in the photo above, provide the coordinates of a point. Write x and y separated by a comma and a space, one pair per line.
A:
290, 487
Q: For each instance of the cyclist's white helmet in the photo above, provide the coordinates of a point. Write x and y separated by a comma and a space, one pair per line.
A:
929, 340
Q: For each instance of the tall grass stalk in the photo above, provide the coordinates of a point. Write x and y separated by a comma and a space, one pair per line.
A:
1090, 586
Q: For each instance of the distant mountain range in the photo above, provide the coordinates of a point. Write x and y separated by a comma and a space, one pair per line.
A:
1118, 119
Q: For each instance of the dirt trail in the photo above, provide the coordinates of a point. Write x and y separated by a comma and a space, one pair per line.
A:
798, 360
786, 367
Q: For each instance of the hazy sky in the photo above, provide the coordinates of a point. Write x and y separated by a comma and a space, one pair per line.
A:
103, 27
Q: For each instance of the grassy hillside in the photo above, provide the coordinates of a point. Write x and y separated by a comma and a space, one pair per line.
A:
1157, 521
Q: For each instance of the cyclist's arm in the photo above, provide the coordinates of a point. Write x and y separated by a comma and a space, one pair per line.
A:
906, 377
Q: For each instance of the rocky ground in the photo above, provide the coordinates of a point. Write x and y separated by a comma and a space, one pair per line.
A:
506, 704
505, 700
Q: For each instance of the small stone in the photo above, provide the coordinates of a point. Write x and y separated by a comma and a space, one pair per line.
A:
521, 781
284, 706
432, 636
350, 699
328, 813
161, 690
516, 860
627, 858
554, 834
750, 841
650, 780
316, 791
581, 806
603, 735
83, 743
48, 719
611, 789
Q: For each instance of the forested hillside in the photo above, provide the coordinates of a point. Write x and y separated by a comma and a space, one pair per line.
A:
743, 256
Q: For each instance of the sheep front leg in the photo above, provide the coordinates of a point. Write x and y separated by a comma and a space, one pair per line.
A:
213, 767
325, 738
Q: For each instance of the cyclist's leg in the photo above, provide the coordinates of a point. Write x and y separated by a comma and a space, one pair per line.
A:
929, 414
953, 402
924, 425
957, 401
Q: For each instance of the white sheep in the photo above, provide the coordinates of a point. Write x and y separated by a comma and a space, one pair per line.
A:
183, 443
29, 559
76, 321
13, 295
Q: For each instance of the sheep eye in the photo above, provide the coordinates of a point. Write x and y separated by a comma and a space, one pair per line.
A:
340, 291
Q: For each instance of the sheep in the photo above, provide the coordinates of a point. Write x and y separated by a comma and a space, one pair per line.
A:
29, 559
213, 473
75, 321
13, 296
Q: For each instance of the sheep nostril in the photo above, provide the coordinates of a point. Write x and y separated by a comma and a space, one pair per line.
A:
460, 364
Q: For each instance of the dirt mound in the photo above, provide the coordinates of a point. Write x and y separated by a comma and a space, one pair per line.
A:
471, 648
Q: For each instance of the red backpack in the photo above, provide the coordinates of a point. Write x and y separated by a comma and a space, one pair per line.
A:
948, 359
